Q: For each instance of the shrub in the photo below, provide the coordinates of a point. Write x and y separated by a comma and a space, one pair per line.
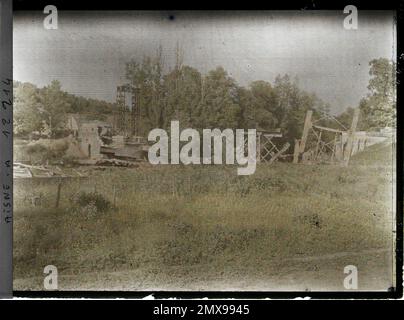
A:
90, 203
35, 148
46, 150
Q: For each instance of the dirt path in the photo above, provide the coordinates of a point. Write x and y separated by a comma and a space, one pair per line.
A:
303, 273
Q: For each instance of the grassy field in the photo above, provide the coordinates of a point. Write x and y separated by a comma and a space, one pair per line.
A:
287, 227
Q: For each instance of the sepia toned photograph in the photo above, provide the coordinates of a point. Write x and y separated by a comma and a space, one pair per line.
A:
204, 150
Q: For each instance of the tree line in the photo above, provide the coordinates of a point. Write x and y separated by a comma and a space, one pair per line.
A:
215, 100
44, 110
212, 100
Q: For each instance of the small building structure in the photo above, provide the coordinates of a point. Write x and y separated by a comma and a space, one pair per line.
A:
89, 134
97, 141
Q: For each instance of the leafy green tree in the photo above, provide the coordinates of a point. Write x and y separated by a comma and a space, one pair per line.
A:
379, 107
44, 110
53, 106
291, 105
26, 101
183, 97
220, 105
260, 112
147, 78
248, 119
96, 109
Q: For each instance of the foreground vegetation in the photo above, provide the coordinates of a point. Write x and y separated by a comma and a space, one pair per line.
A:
205, 228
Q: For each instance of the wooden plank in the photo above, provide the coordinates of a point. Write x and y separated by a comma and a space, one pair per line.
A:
328, 129
306, 128
317, 145
58, 194
273, 135
351, 136
296, 151
279, 153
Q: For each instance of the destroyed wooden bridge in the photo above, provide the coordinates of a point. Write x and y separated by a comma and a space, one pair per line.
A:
336, 145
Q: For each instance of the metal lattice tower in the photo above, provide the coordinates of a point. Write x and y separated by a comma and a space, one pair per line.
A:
121, 111
127, 120
135, 112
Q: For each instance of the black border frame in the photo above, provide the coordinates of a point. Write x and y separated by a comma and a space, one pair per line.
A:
396, 5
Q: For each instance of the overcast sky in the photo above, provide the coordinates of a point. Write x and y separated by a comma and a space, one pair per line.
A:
87, 53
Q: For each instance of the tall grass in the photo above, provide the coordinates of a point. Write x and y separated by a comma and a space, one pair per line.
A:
206, 217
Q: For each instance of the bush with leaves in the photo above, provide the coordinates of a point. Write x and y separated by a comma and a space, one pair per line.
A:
89, 204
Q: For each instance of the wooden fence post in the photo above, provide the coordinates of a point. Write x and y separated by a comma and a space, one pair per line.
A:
173, 187
296, 152
114, 194
306, 128
58, 194
351, 137
300, 145
258, 153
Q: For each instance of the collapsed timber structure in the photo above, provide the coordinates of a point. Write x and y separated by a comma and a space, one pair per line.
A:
321, 144
268, 149
120, 138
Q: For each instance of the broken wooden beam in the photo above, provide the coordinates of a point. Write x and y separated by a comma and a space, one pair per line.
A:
280, 152
328, 129
351, 136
